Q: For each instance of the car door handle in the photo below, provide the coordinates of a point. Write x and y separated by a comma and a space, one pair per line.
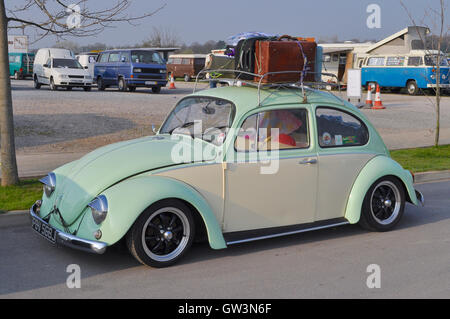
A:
308, 161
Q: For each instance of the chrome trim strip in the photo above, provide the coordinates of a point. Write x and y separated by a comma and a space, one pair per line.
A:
420, 198
286, 233
73, 241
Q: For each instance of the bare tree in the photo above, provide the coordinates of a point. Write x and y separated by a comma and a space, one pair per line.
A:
79, 18
435, 42
162, 37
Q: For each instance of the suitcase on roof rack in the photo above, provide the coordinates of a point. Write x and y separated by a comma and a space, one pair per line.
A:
275, 56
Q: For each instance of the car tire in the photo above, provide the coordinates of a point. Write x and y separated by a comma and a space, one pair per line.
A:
156, 89
131, 88
36, 83
122, 85
187, 78
53, 86
16, 76
383, 205
412, 87
87, 88
68, 88
162, 234
100, 84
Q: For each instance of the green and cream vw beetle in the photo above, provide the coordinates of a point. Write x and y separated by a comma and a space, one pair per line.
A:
230, 164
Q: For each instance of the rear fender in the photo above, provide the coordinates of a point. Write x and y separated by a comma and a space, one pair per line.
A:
376, 168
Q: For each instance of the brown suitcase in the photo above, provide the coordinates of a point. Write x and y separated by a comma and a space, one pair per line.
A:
274, 56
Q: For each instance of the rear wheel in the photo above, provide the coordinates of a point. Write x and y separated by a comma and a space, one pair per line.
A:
412, 87
383, 205
16, 75
162, 234
69, 88
131, 88
156, 89
100, 84
87, 88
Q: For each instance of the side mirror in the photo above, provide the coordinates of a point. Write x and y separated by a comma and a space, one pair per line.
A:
45, 65
86, 67
154, 129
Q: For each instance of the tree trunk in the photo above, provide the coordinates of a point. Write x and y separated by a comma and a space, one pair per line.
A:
8, 149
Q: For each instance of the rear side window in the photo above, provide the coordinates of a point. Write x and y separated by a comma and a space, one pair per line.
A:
125, 57
186, 61
395, 61
337, 128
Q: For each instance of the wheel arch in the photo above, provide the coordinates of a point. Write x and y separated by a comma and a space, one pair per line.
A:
128, 199
379, 166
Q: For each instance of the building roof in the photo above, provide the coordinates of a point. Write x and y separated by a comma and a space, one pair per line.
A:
393, 37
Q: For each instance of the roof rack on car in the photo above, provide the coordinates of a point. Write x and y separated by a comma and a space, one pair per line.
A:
236, 81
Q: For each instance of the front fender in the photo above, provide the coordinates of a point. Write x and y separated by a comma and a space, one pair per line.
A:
128, 199
377, 167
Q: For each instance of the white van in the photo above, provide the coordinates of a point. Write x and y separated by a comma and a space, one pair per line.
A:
59, 68
87, 60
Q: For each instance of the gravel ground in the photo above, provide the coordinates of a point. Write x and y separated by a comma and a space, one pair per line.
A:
78, 121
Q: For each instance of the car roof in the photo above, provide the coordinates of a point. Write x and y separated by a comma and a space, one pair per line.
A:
246, 98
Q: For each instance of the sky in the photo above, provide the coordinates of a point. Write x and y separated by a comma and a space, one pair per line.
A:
202, 20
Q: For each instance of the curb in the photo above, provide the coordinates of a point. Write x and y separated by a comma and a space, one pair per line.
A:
432, 176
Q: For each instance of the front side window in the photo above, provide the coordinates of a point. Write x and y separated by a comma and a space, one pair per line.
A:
337, 128
124, 57
375, 61
207, 118
431, 60
274, 130
104, 57
114, 57
186, 61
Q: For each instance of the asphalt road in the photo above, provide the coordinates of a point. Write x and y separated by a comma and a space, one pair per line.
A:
414, 260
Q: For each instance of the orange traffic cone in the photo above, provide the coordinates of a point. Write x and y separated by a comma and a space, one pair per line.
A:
369, 101
378, 105
172, 82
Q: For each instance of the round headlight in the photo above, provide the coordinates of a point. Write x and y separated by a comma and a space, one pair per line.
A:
99, 208
432, 76
49, 182
444, 76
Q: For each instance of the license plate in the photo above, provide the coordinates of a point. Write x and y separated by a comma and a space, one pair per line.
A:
44, 230
150, 82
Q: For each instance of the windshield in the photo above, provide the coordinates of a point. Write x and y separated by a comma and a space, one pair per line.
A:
431, 60
207, 118
148, 57
66, 63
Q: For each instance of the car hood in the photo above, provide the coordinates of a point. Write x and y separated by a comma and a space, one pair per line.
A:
67, 71
79, 182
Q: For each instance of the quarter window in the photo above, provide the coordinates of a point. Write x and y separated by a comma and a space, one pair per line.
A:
336, 128
277, 130
415, 60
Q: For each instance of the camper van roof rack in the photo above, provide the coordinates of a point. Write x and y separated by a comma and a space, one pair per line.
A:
260, 85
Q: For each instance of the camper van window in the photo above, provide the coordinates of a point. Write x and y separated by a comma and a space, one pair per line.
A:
395, 61
199, 61
326, 58
375, 61
114, 57
431, 60
335, 57
414, 61
92, 58
66, 63
176, 61
185, 61
146, 57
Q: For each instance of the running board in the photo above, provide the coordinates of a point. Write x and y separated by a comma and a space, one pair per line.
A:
265, 233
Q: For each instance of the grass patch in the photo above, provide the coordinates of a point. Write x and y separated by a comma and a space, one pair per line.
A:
21, 196
424, 158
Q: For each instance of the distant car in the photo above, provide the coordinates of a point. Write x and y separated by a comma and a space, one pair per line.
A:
21, 65
59, 68
87, 61
185, 66
263, 163
128, 69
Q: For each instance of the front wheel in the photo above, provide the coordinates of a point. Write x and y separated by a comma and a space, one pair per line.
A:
37, 85
156, 89
122, 85
383, 205
53, 87
100, 84
162, 234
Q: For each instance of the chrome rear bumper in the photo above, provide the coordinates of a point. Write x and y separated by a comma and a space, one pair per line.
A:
72, 241
420, 198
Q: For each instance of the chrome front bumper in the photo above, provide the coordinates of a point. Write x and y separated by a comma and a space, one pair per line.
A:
420, 198
72, 241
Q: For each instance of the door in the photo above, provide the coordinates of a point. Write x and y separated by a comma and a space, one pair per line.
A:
271, 177
341, 156
111, 69
47, 71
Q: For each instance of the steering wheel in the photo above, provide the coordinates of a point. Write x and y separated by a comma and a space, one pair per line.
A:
214, 136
